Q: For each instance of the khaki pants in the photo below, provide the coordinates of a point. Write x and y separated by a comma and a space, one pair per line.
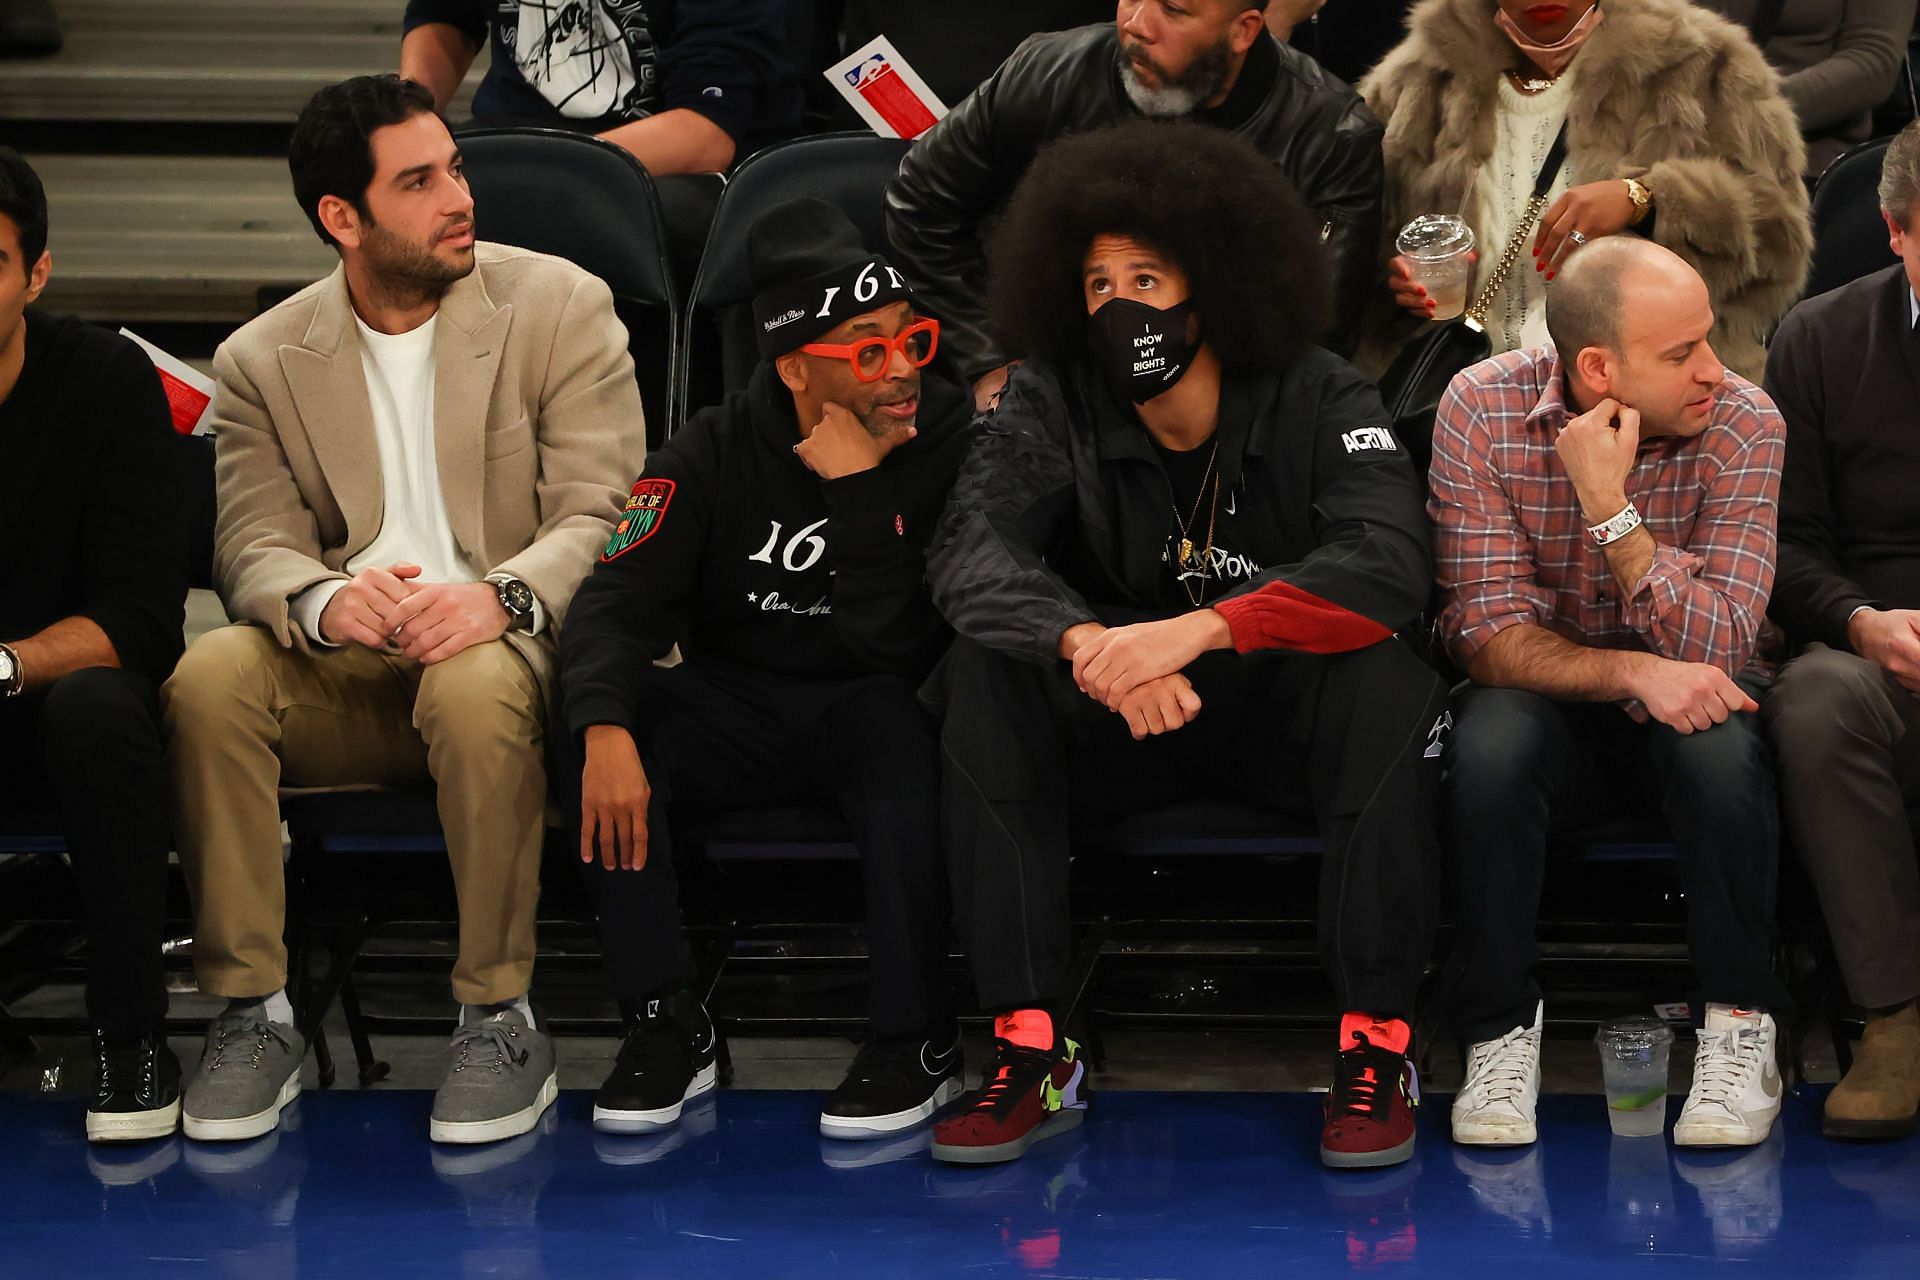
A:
244, 716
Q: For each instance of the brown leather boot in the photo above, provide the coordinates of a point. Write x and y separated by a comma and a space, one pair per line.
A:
1880, 1098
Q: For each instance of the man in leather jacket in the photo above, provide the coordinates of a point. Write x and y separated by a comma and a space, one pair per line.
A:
1207, 60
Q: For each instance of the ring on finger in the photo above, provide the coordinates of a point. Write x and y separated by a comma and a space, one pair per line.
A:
1577, 238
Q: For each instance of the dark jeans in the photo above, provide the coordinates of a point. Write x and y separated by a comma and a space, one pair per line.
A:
1521, 768
86, 757
1028, 756
716, 739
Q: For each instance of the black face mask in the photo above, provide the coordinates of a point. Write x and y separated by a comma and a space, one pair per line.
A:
1142, 350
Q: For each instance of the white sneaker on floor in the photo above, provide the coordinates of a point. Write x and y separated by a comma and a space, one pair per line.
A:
1496, 1103
1736, 1081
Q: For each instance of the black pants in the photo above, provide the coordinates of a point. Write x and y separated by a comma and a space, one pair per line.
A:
1521, 767
86, 756
716, 739
1028, 756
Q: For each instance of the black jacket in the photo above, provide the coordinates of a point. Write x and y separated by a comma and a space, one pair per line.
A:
961, 172
1845, 371
1063, 510
743, 556
93, 517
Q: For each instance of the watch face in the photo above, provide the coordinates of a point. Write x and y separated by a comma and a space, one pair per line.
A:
518, 597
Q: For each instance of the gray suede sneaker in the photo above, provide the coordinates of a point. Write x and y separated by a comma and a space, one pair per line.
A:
500, 1081
249, 1071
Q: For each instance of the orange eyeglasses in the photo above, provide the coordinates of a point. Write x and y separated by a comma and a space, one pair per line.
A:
871, 356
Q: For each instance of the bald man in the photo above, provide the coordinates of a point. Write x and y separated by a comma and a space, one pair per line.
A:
1605, 513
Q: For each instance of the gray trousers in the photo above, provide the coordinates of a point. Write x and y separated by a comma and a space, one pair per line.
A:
1844, 740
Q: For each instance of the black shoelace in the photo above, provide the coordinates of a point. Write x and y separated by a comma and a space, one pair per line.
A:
133, 1068
1364, 1078
655, 1046
1015, 1070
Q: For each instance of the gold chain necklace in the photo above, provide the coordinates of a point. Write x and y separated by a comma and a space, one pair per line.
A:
1530, 84
1186, 530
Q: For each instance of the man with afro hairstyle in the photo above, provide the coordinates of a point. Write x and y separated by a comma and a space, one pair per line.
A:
1176, 560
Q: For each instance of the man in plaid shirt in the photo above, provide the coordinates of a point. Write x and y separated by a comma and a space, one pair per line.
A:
1605, 513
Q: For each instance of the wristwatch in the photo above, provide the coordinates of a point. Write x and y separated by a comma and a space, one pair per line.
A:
516, 597
1642, 200
12, 678
1611, 531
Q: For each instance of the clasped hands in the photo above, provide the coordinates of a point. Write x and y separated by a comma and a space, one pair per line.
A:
1136, 670
389, 610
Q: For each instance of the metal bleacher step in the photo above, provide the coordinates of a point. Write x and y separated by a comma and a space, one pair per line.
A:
183, 239
223, 61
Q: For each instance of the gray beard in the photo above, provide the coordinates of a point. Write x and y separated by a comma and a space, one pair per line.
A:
1207, 77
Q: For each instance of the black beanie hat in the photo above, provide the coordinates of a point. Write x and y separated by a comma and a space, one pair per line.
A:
811, 273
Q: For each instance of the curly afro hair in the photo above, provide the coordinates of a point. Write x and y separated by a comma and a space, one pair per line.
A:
1205, 198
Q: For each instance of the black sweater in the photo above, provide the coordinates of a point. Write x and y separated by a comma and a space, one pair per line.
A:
1845, 371
733, 549
92, 510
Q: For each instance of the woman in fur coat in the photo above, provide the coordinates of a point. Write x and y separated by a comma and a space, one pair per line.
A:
1676, 130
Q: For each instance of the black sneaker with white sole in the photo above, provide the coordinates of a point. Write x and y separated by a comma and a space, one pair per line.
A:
136, 1089
895, 1082
672, 1055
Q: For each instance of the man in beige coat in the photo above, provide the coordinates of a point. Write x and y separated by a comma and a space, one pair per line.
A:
419, 458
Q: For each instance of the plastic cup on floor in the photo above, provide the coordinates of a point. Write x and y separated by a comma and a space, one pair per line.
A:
1633, 1062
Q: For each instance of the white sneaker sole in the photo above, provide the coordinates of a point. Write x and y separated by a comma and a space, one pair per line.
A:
133, 1126
1476, 1133
608, 1120
865, 1128
1723, 1135
240, 1128
470, 1132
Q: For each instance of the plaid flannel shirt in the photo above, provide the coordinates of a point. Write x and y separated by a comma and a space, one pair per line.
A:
1511, 545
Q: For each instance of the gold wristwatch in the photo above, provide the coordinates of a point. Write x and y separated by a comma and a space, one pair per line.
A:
1642, 200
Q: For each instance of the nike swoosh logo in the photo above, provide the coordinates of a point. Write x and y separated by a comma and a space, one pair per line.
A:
934, 1068
1770, 1083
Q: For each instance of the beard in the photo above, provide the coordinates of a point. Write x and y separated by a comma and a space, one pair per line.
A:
407, 270
1178, 95
878, 424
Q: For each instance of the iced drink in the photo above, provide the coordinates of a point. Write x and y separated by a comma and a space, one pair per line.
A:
1633, 1060
1440, 247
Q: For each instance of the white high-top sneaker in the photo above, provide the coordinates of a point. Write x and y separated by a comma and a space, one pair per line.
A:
1495, 1105
1736, 1081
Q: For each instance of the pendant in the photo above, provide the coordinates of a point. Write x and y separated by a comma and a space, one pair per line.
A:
1186, 552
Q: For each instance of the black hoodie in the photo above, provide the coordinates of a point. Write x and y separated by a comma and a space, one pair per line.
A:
733, 549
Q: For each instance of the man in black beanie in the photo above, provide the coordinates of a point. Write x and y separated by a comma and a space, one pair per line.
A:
779, 539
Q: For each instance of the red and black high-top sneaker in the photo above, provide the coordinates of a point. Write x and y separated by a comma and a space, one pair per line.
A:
1369, 1113
1034, 1088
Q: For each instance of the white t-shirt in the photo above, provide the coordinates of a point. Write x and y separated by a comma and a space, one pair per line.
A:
1524, 129
414, 527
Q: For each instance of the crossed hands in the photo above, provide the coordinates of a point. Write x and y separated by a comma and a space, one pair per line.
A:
1135, 670
429, 622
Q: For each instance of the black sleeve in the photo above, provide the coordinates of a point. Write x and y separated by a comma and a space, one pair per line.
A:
1345, 187
133, 551
1372, 568
956, 174
882, 607
636, 603
1010, 504
471, 16
723, 60
1812, 597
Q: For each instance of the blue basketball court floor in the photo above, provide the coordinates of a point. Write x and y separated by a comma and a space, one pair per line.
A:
1154, 1185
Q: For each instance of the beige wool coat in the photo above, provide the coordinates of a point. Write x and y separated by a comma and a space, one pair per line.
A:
1664, 91
538, 433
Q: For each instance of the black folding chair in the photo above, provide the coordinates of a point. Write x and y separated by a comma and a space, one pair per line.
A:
1849, 238
591, 203
847, 170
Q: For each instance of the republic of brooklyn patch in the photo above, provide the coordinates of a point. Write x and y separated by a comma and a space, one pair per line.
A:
646, 508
